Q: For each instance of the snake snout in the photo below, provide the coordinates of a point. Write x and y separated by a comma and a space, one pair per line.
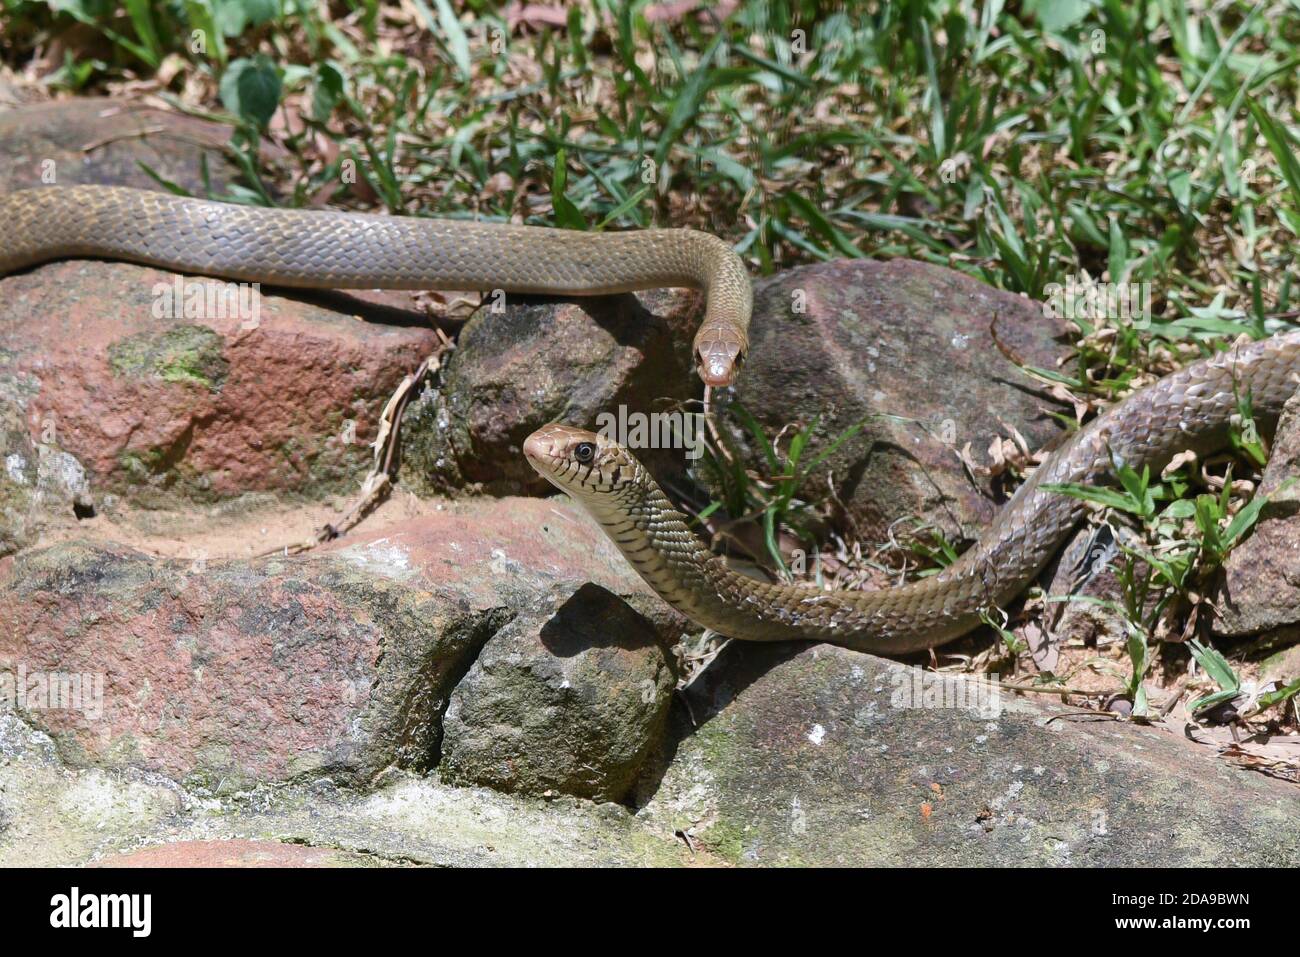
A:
537, 447
555, 443
718, 361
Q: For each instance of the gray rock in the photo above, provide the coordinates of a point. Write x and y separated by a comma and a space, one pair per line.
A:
1085, 569
19, 498
1282, 666
1084, 588
816, 755
1260, 586
848, 339
175, 146
56, 818
569, 698
536, 362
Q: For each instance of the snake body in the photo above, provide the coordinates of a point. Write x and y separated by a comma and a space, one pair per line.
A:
325, 249
1190, 409
335, 250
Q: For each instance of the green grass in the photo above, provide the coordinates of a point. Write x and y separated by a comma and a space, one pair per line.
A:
1172, 544
771, 499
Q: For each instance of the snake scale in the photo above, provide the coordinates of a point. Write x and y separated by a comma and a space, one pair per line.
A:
1189, 409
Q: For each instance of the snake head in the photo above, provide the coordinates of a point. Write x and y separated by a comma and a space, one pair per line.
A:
579, 462
718, 354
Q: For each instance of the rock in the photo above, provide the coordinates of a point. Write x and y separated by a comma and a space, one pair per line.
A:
236, 853
534, 363
1084, 589
20, 498
849, 339
1260, 586
52, 817
60, 818
800, 756
1084, 569
110, 387
233, 674
38, 480
568, 698
816, 755
1282, 666
104, 141
50, 140
334, 664
158, 409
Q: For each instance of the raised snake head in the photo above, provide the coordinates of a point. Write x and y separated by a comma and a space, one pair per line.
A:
588, 466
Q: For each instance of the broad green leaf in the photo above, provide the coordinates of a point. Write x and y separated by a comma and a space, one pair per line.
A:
250, 88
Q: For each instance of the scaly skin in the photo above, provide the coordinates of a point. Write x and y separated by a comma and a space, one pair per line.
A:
332, 250
1189, 409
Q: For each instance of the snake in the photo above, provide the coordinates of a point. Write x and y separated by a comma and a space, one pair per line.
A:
1190, 409
328, 249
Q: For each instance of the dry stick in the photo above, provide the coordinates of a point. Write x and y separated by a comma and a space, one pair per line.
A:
1043, 689
380, 478
710, 421
130, 134
1090, 715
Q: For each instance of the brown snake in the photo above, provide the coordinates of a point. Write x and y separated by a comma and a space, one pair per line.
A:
1188, 409
332, 250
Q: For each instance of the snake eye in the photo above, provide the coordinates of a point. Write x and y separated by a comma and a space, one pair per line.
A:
584, 451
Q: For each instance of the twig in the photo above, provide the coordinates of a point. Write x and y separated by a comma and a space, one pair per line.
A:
380, 478
1021, 365
129, 134
710, 421
1040, 689
1090, 715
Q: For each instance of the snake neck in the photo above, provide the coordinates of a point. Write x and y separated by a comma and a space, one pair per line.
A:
657, 541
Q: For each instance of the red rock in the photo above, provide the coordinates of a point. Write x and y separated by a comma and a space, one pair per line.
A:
234, 853
337, 663
200, 406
